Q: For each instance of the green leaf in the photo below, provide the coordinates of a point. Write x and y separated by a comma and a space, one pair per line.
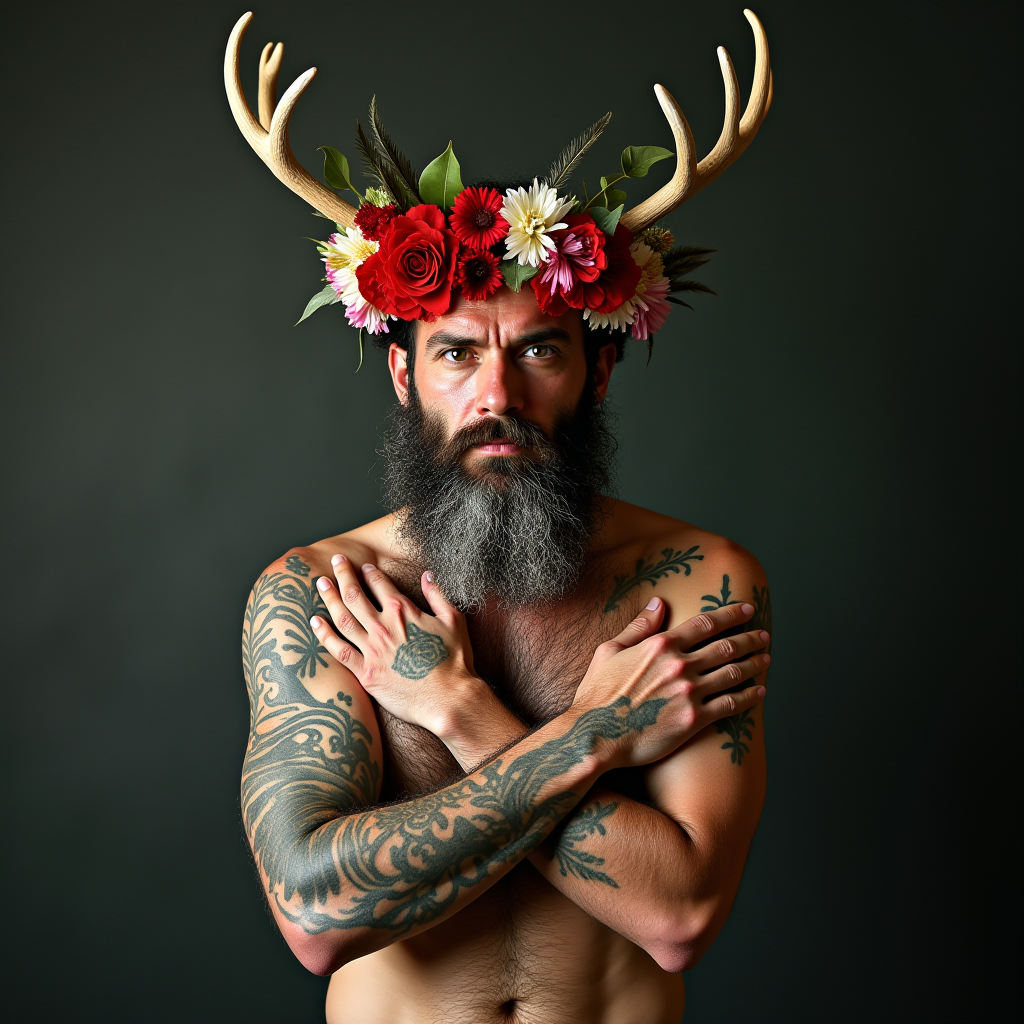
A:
615, 197
515, 275
440, 182
606, 220
638, 160
325, 298
336, 172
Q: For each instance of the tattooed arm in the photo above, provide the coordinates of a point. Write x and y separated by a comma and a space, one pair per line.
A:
616, 857
345, 879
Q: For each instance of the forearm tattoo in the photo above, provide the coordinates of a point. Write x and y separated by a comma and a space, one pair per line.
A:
740, 727
564, 844
309, 768
671, 561
421, 653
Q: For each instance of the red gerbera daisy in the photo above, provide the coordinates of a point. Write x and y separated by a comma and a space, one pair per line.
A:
478, 273
476, 218
373, 220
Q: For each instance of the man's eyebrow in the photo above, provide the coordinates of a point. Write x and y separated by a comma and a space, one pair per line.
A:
452, 339
448, 339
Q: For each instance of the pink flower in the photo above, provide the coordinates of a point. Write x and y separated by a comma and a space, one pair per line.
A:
652, 309
578, 256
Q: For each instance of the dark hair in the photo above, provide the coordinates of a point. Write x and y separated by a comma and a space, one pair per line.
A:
402, 332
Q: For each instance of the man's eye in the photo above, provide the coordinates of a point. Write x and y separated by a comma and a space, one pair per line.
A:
457, 355
539, 351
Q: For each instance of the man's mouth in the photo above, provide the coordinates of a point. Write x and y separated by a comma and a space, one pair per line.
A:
502, 446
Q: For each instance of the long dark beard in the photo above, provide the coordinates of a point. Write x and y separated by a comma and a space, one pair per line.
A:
514, 530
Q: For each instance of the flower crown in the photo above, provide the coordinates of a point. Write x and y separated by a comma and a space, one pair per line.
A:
416, 241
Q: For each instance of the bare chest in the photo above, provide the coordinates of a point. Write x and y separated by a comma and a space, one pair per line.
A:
532, 659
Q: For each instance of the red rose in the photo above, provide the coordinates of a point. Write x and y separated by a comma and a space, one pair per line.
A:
410, 275
618, 280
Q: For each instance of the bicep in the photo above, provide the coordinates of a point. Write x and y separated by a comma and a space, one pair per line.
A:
314, 748
714, 785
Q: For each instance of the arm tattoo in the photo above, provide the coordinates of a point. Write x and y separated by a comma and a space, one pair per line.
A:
719, 601
741, 727
564, 844
421, 653
406, 864
671, 561
307, 761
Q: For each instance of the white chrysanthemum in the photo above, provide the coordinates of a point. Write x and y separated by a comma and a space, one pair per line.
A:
343, 252
532, 213
618, 319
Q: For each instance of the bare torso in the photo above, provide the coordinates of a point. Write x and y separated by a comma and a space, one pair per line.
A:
522, 953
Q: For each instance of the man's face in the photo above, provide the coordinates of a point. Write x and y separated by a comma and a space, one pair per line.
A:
496, 458
499, 359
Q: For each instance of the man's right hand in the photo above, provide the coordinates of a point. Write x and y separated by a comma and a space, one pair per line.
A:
643, 665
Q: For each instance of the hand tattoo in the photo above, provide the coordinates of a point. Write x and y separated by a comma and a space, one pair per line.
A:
421, 653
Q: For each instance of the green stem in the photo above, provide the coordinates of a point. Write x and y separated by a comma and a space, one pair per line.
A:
614, 181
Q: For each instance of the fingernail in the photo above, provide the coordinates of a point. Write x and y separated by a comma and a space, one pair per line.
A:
760, 691
337, 559
430, 576
747, 609
369, 567
653, 603
316, 622
323, 583
764, 637
766, 658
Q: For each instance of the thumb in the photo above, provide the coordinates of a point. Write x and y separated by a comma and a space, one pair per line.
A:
646, 624
439, 604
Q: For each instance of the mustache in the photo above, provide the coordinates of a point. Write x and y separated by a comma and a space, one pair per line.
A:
518, 431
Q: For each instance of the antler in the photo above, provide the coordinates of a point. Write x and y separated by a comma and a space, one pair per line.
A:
737, 133
269, 135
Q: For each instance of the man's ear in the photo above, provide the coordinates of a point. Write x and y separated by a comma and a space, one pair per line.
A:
398, 364
603, 370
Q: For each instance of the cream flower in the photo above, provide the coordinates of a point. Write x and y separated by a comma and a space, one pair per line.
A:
343, 252
531, 214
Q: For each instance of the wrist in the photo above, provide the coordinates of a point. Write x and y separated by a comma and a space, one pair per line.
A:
473, 723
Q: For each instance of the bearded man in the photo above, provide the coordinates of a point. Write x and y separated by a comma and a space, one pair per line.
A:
506, 754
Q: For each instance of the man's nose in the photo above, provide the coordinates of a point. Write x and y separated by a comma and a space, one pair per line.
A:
499, 390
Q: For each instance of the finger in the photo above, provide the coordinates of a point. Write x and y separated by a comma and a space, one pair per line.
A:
344, 621
734, 673
702, 627
342, 652
386, 593
352, 593
439, 604
718, 652
646, 624
733, 703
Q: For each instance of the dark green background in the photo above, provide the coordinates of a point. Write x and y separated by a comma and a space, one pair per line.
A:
842, 409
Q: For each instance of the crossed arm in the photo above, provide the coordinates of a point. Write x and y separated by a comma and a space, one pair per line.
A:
344, 878
664, 875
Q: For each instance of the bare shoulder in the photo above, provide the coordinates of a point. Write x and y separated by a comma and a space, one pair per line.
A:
691, 568
371, 542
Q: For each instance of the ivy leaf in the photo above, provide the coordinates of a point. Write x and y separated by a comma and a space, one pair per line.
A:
606, 220
336, 172
515, 275
440, 182
638, 160
325, 298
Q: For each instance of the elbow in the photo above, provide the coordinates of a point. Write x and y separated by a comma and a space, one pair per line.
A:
682, 939
320, 953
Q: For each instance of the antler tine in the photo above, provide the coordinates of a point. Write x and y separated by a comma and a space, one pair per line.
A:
737, 133
667, 198
271, 145
270, 68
